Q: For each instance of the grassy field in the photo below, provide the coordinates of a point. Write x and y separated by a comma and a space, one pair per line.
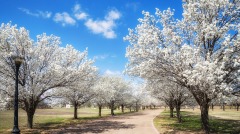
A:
220, 122
45, 119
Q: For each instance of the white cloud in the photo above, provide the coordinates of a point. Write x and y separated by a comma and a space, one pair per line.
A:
104, 56
43, 14
80, 16
28, 12
64, 18
104, 27
76, 8
113, 15
109, 72
133, 5
78, 13
101, 57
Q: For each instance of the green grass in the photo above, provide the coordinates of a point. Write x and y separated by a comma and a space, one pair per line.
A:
220, 122
45, 119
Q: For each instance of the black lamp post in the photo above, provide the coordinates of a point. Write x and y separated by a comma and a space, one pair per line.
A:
18, 61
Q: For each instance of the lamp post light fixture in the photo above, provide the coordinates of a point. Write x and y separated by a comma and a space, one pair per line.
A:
18, 61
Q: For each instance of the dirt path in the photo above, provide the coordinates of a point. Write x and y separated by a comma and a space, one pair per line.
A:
135, 123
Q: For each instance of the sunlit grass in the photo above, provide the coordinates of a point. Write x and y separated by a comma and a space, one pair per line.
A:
220, 121
49, 118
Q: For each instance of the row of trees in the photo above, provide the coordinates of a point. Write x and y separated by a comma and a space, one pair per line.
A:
172, 94
115, 91
106, 91
51, 71
199, 53
230, 100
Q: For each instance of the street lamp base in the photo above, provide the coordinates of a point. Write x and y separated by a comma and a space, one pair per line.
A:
15, 130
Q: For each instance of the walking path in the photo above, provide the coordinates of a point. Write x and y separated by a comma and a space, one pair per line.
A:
134, 123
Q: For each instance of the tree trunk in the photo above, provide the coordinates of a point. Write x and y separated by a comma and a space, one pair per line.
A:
178, 113
99, 110
203, 101
112, 108
204, 116
30, 107
237, 106
171, 103
75, 110
171, 106
223, 106
171, 112
212, 106
30, 114
122, 106
136, 107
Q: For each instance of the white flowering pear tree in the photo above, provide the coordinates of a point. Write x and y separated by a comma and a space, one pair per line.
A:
200, 52
45, 67
236, 101
81, 89
102, 89
149, 101
229, 99
5, 101
114, 88
162, 91
139, 95
100, 95
127, 101
174, 95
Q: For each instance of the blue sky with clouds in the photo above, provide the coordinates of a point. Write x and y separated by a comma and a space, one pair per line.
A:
99, 25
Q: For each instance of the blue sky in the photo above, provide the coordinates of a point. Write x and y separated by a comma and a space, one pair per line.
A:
99, 25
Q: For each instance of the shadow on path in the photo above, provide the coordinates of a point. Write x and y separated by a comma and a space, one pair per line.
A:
96, 127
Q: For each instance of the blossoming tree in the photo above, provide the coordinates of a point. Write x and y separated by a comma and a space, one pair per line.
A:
174, 95
200, 52
111, 89
81, 89
46, 66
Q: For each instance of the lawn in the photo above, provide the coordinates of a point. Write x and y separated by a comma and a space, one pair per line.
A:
45, 119
220, 122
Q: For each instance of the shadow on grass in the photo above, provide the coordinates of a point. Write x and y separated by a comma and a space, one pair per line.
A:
94, 124
81, 125
63, 122
224, 126
57, 124
97, 127
191, 123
